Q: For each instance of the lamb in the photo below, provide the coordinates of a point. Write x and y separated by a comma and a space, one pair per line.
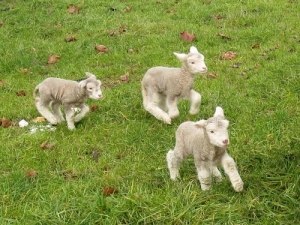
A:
206, 140
55, 92
163, 87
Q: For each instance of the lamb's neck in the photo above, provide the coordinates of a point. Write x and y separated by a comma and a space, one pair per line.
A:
186, 74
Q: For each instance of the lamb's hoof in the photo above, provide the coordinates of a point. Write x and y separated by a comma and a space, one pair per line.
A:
205, 187
218, 179
71, 127
167, 120
239, 186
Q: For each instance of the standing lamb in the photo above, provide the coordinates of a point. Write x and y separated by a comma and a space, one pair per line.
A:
163, 87
206, 140
55, 92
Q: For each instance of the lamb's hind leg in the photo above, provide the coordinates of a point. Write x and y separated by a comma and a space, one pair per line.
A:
152, 108
83, 112
57, 112
195, 99
43, 108
234, 176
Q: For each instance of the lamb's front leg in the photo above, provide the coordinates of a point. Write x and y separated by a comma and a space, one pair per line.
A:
217, 174
70, 116
195, 99
84, 110
204, 175
173, 111
231, 170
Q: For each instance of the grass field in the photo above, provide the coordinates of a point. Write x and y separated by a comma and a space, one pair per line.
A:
259, 90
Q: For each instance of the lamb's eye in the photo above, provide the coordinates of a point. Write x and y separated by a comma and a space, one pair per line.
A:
192, 62
212, 132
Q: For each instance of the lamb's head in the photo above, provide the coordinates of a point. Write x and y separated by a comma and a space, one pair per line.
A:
193, 61
216, 128
91, 86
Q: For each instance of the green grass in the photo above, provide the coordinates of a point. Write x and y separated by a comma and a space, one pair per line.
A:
260, 98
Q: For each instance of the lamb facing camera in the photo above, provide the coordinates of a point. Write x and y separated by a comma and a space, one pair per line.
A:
56, 92
163, 87
206, 140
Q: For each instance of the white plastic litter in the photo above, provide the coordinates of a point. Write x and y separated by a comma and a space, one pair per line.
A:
41, 128
23, 123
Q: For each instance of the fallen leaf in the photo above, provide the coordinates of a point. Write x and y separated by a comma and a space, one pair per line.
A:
218, 17
1, 24
21, 93
122, 28
93, 108
57, 26
107, 191
130, 50
128, 8
186, 36
74, 9
112, 32
124, 77
228, 55
237, 65
101, 48
213, 75
71, 38
256, 45
53, 59
45, 145
31, 174
24, 70
95, 155
5, 123
223, 36
39, 119
2, 83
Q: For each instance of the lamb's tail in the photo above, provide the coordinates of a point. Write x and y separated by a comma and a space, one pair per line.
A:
145, 96
35, 93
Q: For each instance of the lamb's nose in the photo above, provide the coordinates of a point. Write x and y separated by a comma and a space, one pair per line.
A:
204, 68
225, 142
100, 96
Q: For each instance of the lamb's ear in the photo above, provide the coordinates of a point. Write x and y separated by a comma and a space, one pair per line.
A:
201, 123
219, 112
180, 56
193, 49
83, 83
88, 74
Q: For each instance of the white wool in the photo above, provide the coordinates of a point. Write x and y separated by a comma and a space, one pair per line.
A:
163, 87
54, 92
206, 140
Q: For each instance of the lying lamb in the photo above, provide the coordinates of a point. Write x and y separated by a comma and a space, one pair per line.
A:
163, 87
70, 94
207, 141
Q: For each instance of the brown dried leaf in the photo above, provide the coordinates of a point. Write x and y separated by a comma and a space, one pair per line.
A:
128, 9
186, 36
122, 28
93, 108
44, 145
1, 24
2, 83
53, 59
39, 119
5, 123
228, 55
213, 75
74, 9
218, 17
223, 36
71, 38
21, 93
24, 70
107, 191
95, 155
31, 174
124, 77
256, 45
102, 49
